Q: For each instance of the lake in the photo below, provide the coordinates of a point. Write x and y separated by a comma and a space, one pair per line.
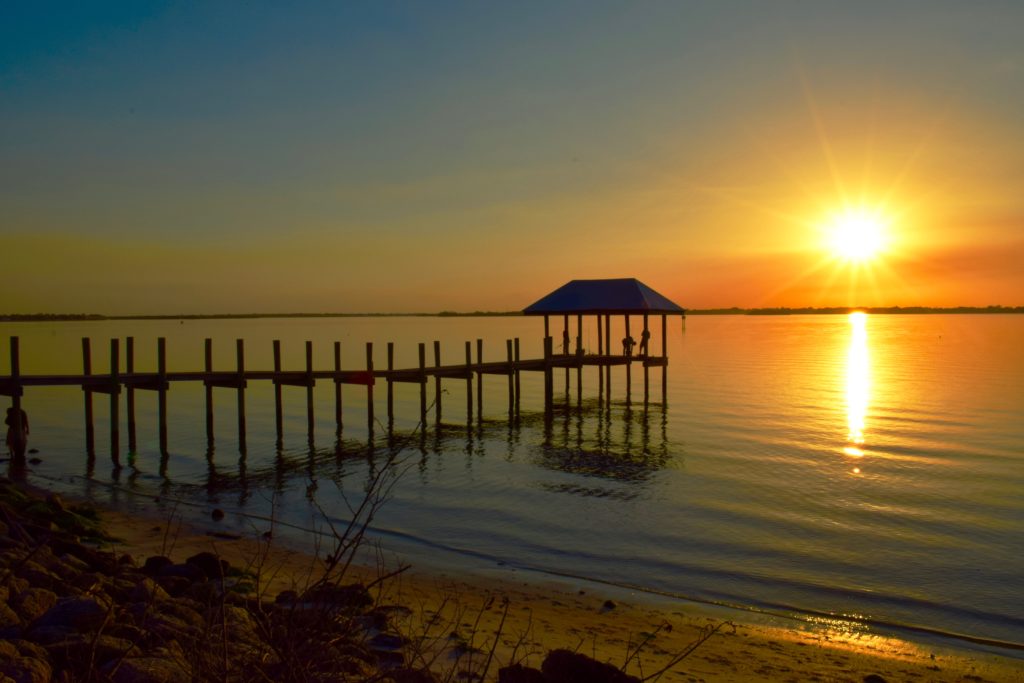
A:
867, 467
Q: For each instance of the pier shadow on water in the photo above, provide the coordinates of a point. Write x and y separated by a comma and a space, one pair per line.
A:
608, 449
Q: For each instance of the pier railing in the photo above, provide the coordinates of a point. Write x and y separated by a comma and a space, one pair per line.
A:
129, 380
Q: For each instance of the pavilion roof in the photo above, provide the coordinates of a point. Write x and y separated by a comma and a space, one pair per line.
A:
620, 295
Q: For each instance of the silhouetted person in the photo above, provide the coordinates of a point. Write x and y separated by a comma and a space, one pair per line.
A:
565, 342
17, 434
645, 337
627, 345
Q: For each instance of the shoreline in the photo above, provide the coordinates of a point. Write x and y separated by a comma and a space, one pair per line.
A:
605, 621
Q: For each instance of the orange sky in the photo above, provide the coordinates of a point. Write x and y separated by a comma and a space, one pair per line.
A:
359, 159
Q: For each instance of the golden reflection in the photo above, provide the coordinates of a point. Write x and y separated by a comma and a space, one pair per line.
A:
858, 383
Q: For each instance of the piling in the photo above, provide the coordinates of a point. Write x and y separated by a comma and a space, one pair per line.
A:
90, 434
423, 385
208, 364
369, 388
337, 388
480, 380
240, 354
278, 407
129, 353
391, 384
115, 391
469, 383
437, 382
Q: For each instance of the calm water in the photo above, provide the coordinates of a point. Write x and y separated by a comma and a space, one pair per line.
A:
869, 467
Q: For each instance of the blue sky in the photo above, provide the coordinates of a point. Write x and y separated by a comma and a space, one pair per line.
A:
384, 156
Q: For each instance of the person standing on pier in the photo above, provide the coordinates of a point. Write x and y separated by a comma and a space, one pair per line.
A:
17, 434
645, 338
627, 346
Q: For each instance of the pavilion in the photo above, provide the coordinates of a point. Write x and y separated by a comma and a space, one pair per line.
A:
605, 298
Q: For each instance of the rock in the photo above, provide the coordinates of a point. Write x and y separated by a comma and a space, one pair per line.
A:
609, 605
73, 614
217, 514
874, 678
27, 670
32, 603
24, 662
411, 676
176, 586
571, 667
386, 641
331, 595
8, 617
77, 650
211, 565
148, 670
147, 590
517, 673
185, 571
154, 564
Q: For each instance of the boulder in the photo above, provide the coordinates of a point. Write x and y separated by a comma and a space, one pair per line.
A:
564, 666
211, 565
517, 673
32, 603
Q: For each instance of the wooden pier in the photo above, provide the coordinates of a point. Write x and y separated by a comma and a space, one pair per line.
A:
160, 380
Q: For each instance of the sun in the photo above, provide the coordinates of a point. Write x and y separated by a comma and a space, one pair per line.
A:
856, 234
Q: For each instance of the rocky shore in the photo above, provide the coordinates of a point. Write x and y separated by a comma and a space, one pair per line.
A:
73, 610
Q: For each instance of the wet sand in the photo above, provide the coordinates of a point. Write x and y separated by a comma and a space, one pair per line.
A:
509, 616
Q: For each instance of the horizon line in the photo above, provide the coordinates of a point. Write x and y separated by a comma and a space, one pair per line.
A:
733, 310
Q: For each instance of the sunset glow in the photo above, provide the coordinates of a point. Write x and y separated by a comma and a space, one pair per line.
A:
857, 234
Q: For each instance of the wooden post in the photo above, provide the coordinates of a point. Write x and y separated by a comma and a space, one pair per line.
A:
647, 353
579, 359
546, 331
664, 354
115, 402
310, 418
548, 376
278, 408
337, 386
90, 434
161, 394
208, 365
518, 387
511, 379
129, 353
565, 349
18, 459
240, 356
628, 350
391, 388
469, 383
437, 383
600, 353
369, 388
423, 386
608, 346
479, 380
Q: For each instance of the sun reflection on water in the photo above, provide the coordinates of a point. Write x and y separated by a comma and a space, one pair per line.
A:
858, 383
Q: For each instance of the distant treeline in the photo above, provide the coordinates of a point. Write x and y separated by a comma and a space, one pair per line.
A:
834, 310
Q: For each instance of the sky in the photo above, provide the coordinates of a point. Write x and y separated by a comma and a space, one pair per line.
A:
227, 157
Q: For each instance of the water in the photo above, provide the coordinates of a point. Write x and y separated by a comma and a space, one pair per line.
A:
861, 466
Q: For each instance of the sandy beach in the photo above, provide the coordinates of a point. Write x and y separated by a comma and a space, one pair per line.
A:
462, 622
